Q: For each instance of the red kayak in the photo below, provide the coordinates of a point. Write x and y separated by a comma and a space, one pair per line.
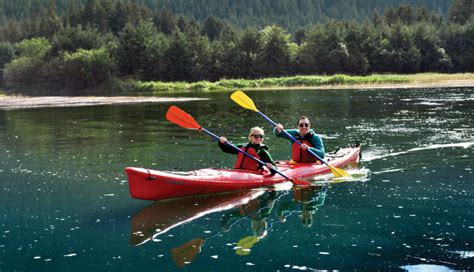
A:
156, 185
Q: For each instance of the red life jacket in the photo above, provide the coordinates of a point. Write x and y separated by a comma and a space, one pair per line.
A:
300, 155
246, 163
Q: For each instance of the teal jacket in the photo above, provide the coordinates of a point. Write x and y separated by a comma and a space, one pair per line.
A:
311, 137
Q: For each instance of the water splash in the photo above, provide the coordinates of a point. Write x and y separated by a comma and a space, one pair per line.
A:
356, 175
371, 157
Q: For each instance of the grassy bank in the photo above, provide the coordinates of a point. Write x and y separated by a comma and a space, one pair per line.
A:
132, 87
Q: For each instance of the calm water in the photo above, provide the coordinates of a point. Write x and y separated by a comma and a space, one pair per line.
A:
66, 207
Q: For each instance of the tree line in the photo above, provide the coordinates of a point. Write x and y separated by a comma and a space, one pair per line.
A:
290, 14
88, 46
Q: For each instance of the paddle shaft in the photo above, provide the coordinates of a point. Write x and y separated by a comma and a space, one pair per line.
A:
292, 138
242, 151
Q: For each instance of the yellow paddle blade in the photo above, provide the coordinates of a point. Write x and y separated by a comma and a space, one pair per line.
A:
243, 100
245, 244
338, 173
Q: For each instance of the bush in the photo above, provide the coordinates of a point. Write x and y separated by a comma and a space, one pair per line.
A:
26, 68
87, 68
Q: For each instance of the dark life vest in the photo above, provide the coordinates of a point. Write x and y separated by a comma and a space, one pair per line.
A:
300, 155
246, 163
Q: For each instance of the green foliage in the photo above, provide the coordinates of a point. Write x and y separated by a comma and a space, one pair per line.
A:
274, 55
461, 11
33, 48
73, 38
7, 52
86, 68
26, 67
133, 41
97, 40
212, 27
158, 87
257, 13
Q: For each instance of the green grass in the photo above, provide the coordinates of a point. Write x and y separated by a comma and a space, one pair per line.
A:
157, 87
130, 86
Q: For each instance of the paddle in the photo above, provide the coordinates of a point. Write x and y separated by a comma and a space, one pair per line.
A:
183, 119
186, 253
244, 101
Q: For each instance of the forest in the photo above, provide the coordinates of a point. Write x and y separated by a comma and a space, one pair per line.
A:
289, 14
82, 45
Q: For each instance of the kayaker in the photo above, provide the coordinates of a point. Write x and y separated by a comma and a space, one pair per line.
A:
255, 147
308, 139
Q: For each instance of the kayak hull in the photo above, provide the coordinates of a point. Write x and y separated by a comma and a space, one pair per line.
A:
156, 185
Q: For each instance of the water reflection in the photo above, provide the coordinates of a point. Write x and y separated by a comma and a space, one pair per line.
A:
306, 203
161, 216
255, 210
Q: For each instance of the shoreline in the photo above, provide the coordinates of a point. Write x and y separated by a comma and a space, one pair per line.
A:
11, 102
414, 85
26, 102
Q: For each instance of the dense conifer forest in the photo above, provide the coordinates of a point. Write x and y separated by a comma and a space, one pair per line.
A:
75, 45
291, 14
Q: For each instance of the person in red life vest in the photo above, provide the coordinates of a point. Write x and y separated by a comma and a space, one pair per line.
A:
255, 147
308, 139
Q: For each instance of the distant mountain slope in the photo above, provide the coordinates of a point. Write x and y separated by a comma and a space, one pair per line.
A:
292, 14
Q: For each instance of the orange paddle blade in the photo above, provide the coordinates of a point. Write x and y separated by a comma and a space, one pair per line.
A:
181, 118
186, 253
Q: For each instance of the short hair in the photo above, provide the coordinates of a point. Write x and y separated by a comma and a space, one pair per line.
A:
255, 130
301, 118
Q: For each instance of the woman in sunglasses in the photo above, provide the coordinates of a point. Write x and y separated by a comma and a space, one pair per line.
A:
254, 147
307, 138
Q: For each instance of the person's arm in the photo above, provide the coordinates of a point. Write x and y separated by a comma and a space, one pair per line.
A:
265, 156
283, 135
318, 146
227, 149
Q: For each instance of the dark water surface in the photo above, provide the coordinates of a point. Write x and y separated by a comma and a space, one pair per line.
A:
66, 207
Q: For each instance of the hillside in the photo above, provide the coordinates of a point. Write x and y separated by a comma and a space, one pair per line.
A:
291, 14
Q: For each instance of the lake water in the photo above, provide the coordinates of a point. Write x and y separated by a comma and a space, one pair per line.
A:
66, 206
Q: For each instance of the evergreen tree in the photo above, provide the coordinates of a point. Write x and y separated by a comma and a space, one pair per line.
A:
461, 11
404, 56
165, 22
274, 56
133, 40
212, 27
7, 53
178, 60
248, 48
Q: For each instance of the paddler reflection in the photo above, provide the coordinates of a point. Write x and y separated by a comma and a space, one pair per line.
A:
257, 211
306, 202
162, 216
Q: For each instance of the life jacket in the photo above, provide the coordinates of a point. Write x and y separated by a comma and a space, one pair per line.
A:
246, 163
300, 155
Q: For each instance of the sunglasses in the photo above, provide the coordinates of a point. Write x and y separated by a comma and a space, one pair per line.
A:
258, 136
304, 125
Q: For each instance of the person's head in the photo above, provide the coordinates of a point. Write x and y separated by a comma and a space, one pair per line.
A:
259, 227
306, 218
256, 135
303, 125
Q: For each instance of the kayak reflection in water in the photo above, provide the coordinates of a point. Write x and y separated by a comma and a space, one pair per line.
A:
257, 206
254, 147
308, 200
257, 211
